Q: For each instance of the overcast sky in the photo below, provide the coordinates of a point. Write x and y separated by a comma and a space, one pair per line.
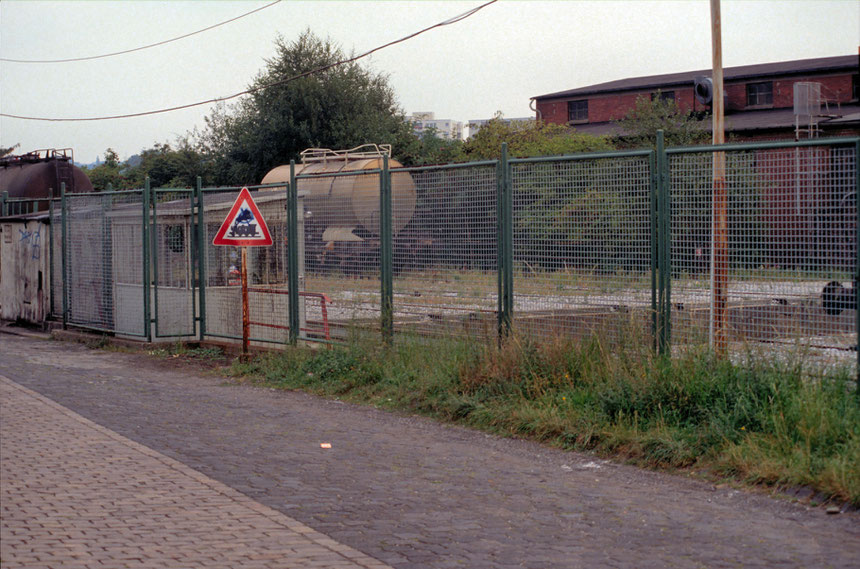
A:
494, 61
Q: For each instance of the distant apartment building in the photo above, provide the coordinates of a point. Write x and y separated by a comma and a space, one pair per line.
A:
476, 124
444, 128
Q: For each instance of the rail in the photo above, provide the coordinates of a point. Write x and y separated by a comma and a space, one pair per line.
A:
323, 298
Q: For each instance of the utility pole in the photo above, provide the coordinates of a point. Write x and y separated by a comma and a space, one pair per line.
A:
719, 216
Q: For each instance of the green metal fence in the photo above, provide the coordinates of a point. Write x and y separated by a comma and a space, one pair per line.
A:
582, 246
626, 246
791, 229
21, 206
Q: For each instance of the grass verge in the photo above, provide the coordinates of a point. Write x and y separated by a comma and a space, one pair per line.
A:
759, 422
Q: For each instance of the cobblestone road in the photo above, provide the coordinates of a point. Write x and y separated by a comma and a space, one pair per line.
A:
75, 494
413, 493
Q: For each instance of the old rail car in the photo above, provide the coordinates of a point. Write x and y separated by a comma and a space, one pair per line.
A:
39, 175
341, 212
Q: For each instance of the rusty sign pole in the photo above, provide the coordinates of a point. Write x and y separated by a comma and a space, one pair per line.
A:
719, 220
246, 313
239, 230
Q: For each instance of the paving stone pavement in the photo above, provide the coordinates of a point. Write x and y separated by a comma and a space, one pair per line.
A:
75, 494
413, 493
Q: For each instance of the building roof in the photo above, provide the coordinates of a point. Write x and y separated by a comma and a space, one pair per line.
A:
782, 68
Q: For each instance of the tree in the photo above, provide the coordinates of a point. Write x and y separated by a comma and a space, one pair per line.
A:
430, 148
342, 107
107, 173
169, 168
9, 150
640, 126
529, 138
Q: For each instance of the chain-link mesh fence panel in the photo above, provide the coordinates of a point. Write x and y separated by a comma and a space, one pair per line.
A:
339, 263
267, 272
104, 261
791, 254
445, 255
56, 252
582, 248
173, 290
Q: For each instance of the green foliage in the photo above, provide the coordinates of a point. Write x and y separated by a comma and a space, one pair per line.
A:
9, 150
529, 138
761, 421
167, 167
649, 115
107, 173
342, 107
589, 213
430, 148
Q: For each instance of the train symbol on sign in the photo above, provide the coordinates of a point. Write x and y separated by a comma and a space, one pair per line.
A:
243, 225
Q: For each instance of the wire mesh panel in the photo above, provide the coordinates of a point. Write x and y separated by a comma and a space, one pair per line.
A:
173, 290
339, 264
791, 250
582, 247
446, 256
267, 272
104, 261
56, 252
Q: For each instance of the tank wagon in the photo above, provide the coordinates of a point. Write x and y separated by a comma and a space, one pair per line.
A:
38, 175
339, 193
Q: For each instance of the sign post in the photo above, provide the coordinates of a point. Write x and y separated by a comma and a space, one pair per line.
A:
244, 227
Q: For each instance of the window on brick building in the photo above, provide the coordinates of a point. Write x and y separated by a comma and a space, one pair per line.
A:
577, 111
664, 95
760, 94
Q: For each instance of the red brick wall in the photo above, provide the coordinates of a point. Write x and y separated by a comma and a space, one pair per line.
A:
614, 106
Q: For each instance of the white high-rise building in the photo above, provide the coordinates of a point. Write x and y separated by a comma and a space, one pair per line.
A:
444, 128
475, 125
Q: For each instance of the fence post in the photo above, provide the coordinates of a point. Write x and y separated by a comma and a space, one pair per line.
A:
385, 254
4, 198
664, 267
500, 256
147, 329
51, 254
201, 258
857, 260
653, 161
293, 255
109, 310
505, 245
64, 213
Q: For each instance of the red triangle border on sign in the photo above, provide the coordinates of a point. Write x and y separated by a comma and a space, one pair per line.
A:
221, 237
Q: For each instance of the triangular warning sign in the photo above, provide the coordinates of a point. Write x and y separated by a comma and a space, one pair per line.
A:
244, 226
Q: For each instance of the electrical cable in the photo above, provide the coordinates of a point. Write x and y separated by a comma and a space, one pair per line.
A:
137, 48
447, 22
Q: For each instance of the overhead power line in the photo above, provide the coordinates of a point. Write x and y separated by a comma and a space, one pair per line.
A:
447, 22
91, 57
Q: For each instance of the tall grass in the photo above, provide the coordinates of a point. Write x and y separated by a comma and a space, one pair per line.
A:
760, 421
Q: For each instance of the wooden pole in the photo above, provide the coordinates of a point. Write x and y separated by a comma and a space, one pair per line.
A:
246, 316
719, 227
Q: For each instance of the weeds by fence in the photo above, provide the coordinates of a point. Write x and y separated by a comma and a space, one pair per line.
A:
759, 421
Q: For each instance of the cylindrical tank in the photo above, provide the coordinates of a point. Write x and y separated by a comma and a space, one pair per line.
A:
39, 175
351, 199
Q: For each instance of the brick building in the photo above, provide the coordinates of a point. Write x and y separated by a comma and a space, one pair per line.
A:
803, 98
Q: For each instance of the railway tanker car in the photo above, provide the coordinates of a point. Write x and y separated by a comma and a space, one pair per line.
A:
38, 175
341, 213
